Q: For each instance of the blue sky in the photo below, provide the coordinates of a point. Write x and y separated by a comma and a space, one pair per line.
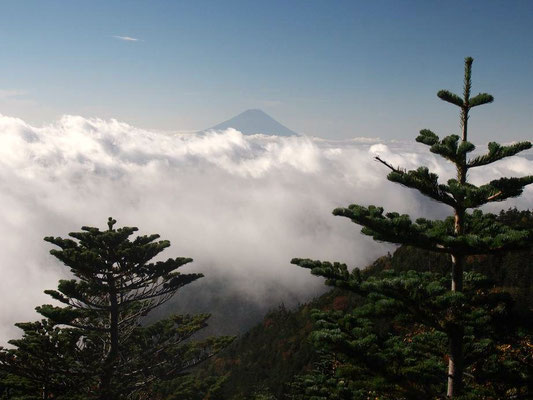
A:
335, 69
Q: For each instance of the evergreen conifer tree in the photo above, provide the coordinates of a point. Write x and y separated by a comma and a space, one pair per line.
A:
116, 284
461, 235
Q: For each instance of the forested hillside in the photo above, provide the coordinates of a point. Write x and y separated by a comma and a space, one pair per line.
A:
265, 362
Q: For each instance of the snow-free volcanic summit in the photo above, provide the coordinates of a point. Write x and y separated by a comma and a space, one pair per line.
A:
251, 122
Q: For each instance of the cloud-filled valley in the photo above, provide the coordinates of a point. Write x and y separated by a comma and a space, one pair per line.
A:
241, 206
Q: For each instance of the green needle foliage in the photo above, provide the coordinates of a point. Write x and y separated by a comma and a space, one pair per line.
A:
98, 333
395, 345
47, 361
414, 323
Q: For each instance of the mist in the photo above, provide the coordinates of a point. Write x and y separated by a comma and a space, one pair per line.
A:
240, 206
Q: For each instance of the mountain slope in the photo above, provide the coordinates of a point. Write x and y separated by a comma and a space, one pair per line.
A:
255, 121
261, 364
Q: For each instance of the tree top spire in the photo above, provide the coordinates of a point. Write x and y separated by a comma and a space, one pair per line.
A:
111, 222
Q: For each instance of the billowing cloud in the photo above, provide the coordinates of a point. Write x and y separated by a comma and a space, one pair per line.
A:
241, 206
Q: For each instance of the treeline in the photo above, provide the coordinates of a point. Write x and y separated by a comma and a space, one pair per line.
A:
453, 322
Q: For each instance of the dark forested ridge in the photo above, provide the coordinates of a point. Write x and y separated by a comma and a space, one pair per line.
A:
265, 362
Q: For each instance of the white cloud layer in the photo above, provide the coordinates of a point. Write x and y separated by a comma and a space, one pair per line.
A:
241, 206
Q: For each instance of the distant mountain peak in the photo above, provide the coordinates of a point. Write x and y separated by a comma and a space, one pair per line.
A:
254, 121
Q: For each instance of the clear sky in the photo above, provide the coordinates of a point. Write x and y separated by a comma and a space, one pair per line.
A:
335, 69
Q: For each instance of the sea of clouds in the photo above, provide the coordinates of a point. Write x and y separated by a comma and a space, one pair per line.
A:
241, 206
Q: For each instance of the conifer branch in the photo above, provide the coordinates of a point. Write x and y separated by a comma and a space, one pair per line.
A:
427, 137
480, 99
494, 197
506, 188
497, 152
450, 97
421, 180
398, 170
490, 237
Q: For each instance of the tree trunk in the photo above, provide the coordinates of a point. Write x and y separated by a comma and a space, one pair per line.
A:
456, 333
108, 370
455, 336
